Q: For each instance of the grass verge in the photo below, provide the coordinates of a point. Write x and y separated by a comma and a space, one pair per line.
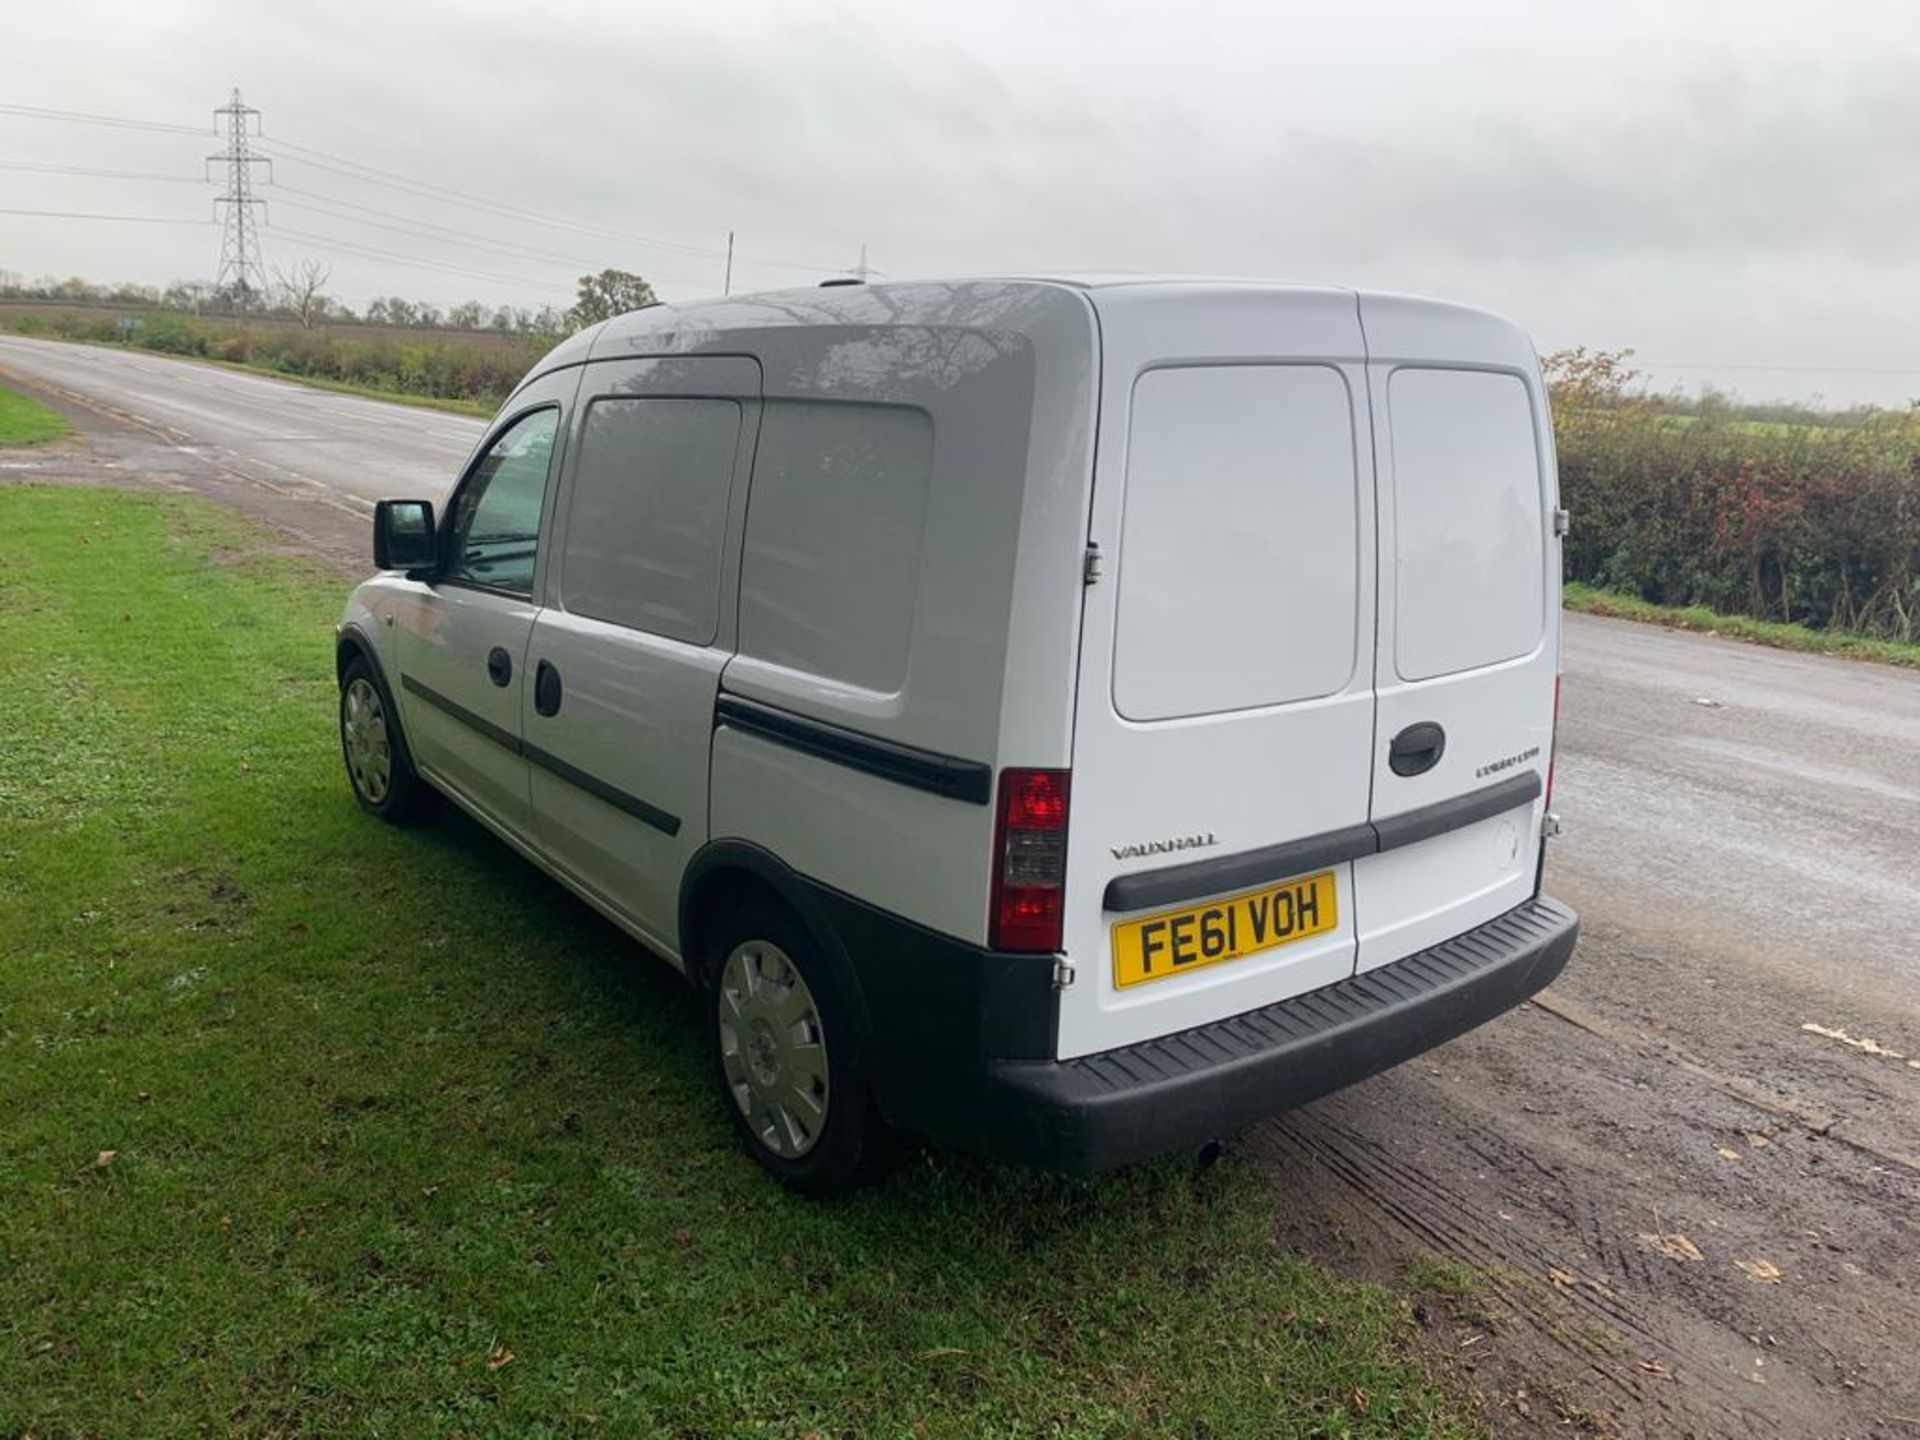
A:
25, 421
484, 409
312, 1125
1589, 601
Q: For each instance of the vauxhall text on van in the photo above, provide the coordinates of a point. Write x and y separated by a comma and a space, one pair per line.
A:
1069, 719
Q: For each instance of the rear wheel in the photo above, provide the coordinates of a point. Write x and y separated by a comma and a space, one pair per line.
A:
785, 1053
378, 766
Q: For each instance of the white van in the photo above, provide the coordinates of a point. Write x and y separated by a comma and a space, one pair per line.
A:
1072, 719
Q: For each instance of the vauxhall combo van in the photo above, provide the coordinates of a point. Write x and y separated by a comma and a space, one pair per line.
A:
1069, 718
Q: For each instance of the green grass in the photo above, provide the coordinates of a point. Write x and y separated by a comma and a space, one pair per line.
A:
25, 421
1441, 1275
308, 1124
1590, 601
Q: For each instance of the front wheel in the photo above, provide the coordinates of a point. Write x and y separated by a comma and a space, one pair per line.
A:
786, 1054
378, 766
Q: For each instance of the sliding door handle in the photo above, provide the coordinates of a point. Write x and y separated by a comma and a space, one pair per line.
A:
546, 689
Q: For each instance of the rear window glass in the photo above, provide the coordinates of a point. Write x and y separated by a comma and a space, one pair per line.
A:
1469, 589
648, 514
1239, 565
829, 575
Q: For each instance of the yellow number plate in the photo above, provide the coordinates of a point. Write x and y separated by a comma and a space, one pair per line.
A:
1177, 941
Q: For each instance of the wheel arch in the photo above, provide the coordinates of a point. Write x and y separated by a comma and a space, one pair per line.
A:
724, 872
353, 643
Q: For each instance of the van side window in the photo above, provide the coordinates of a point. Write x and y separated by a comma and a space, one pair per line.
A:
496, 516
648, 514
831, 568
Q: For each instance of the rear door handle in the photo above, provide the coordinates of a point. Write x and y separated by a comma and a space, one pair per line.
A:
546, 689
1417, 749
499, 666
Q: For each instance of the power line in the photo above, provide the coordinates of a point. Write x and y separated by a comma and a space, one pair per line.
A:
238, 200
426, 189
321, 204
40, 112
86, 215
41, 168
354, 250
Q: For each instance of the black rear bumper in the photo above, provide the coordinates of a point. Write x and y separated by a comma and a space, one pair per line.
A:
1182, 1090
1185, 1089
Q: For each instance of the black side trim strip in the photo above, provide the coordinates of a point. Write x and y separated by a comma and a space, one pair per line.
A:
633, 805
1198, 878
506, 739
620, 800
937, 774
1463, 810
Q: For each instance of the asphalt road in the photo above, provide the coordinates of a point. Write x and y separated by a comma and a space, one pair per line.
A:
1743, 842
357, 450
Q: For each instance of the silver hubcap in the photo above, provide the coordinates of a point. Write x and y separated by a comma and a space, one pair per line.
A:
773, 1048
363, 731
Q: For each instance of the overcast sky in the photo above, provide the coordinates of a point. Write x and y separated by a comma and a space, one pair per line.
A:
1731, 189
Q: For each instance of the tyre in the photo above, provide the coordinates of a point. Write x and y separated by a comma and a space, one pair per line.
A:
378, 766
786, 1054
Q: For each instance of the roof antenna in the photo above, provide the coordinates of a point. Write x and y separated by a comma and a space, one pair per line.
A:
858, 275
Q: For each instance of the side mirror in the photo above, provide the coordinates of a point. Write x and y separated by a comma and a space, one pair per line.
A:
403, 535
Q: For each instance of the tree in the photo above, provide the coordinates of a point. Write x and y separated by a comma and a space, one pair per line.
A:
192, 295
610, 293
391, 310
468, 315
300, 290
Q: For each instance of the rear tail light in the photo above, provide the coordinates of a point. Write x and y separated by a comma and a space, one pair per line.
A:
1029, 860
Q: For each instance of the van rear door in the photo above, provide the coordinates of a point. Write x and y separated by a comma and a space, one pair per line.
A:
1224, 722
1468, 627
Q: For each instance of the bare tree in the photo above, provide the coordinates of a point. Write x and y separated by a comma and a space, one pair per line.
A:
300, 290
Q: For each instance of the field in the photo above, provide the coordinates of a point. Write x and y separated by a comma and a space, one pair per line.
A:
311, 1125
25, 421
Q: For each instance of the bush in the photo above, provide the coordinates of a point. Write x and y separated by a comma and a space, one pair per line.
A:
171, 334
1814, 525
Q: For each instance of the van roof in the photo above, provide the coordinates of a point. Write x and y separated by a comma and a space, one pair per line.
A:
951, 301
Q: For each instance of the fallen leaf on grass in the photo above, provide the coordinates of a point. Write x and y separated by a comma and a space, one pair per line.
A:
1654, 1367
1765, 1271
1727, 1152
500, 1356
105, 1158
940, 1352
1358, 1399
1565, 1279
1671, 1244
